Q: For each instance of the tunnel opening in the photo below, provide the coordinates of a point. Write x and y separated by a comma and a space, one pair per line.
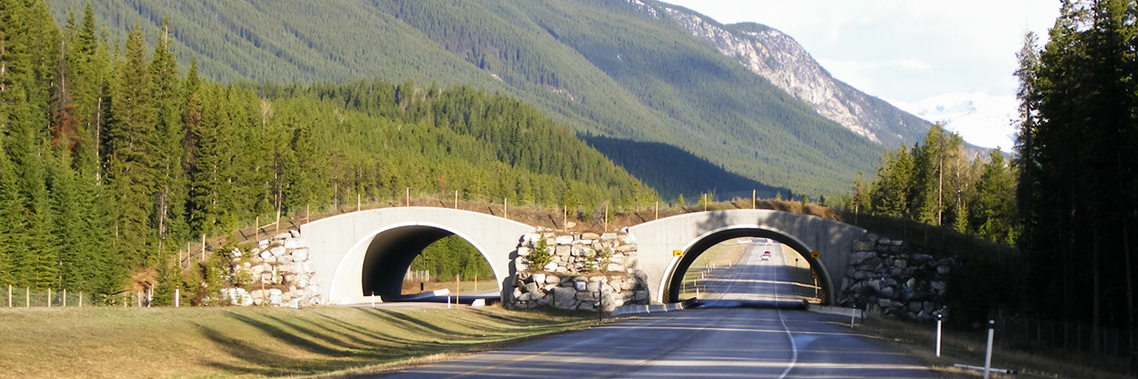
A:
451, 264
387, 264
747, 267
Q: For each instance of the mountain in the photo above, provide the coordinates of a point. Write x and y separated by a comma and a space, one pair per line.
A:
656, 163
778, 58
631, 70
982, 119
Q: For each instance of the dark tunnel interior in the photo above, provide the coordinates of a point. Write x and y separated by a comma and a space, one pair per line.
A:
389, 255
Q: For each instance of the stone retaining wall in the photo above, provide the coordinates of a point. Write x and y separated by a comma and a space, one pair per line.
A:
281, 266
583, 270
883, 276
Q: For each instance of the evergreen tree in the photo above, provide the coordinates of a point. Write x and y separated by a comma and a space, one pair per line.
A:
131, 140
166, 96
1077, 181
12, 222
995, 208
212, 199
892, 187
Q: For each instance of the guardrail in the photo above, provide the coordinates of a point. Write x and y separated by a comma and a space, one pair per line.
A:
840, 311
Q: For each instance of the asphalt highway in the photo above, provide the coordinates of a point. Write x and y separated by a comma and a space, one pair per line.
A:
749, 326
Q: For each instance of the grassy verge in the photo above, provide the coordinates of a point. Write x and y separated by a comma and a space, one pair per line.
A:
800, 275
919, 340
467, 286
253, 342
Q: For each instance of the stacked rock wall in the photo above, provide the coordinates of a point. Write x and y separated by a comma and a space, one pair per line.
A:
883, 276
281, 266
583, 270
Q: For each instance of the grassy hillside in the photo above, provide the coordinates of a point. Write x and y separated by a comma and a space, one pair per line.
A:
602, 67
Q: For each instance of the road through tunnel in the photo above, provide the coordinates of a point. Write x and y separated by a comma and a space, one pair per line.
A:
677, 290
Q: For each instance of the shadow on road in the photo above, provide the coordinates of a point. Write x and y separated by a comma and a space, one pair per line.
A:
751, 304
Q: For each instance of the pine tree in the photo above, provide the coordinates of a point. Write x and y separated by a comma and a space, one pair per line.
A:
167, 97
11, 221
131, 150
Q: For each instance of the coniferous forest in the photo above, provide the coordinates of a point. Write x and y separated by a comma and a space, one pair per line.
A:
1077, 168
610, 68
112, 158
1068, 199
938, 183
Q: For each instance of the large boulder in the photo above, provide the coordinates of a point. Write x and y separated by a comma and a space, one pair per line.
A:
564, 297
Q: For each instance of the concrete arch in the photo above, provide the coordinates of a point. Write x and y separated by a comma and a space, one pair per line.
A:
693, 233
356, 253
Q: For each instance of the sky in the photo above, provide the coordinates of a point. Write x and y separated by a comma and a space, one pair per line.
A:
916, 54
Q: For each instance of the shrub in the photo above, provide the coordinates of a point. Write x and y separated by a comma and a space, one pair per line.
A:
540, 255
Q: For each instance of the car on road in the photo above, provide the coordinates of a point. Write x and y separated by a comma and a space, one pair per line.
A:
766, 255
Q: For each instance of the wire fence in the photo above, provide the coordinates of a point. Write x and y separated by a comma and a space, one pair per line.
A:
1070, 337
27, 297
417, 276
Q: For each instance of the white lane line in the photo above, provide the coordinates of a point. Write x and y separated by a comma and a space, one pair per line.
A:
793, 346
736, 277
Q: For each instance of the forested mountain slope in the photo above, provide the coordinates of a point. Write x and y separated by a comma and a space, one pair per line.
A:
608, 67
111, 160
777, 57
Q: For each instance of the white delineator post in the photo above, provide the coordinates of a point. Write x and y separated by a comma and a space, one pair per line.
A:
939, 319
177, 296
988, 353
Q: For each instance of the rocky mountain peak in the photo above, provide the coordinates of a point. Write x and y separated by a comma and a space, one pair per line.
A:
781, 60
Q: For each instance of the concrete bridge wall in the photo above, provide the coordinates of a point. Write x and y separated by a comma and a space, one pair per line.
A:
384, 241
369, 251
693, 233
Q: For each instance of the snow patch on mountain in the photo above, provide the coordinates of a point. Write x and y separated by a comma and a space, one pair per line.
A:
981, 119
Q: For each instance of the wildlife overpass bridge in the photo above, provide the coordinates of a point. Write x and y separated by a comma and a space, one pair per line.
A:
357, 254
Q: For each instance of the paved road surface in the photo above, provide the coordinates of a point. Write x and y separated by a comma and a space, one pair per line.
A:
749, 330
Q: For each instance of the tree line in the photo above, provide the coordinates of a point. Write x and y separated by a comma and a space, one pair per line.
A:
937, 183
1077, 168
112, 158
1068, 200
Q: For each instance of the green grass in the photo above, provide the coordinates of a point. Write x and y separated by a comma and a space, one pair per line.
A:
253, 342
